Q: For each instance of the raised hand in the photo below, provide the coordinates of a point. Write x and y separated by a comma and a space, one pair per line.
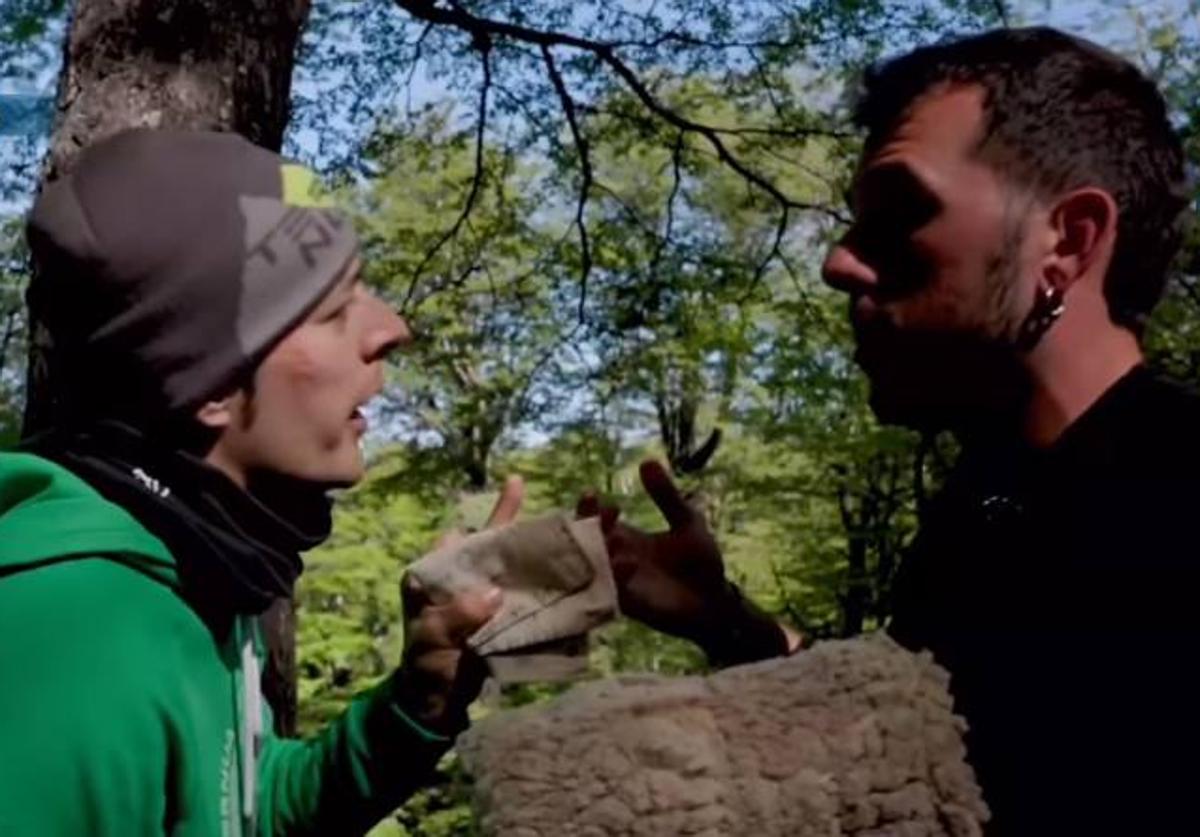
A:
674, 581
670, 580
439, 676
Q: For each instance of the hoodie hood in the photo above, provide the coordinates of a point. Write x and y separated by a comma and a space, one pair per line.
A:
47, 515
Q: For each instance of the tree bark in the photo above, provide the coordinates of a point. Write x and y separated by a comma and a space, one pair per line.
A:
183, 63
205, 64
279, 678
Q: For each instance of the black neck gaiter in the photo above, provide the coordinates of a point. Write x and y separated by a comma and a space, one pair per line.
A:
235, 551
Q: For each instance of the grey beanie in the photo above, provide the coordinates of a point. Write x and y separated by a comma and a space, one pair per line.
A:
170, 263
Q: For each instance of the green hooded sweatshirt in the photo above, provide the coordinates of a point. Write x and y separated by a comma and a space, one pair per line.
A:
120, 714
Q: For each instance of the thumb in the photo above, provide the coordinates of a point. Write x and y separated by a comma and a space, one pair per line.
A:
466, 613
508, 504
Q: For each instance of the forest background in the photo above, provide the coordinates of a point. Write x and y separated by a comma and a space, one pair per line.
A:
605, 221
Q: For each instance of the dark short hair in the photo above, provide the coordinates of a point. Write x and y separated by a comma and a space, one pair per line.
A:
1061, 113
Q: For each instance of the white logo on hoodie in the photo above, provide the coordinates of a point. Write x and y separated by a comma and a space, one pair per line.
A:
151, 483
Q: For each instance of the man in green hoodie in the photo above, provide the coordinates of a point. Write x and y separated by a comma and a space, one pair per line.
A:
212, 347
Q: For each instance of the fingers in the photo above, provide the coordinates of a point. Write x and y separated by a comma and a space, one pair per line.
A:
622, 555
469, 677
666, 496
608, 518
509, 503
452, 624
440, 675
588, 506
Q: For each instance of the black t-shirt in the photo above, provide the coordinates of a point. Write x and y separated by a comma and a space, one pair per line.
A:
1059, 588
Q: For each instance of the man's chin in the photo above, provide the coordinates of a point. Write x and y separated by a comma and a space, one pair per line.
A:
343, 472
907, 409
347, 477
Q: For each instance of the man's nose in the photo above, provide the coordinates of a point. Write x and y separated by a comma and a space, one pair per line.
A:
846, 271
388, 331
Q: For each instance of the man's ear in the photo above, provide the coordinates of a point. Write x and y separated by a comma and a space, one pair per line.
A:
216, 415
1084, 225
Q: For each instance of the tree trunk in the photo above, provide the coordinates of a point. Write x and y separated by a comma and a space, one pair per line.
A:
858, 592
176, 63
166, 63
279, 679
207, 64
856, 597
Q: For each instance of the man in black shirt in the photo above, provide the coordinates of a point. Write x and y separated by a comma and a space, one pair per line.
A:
1056, 585
1016, 208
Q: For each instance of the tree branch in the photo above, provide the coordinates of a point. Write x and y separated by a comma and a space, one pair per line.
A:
749, 130
676, 179
585, 167
776, 247
683, 39
765, 80
478, 27
418, 48
1001, 12
484, 48
522, 105
823, 209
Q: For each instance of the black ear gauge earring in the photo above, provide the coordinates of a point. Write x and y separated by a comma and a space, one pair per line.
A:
1048, 306
1054, 302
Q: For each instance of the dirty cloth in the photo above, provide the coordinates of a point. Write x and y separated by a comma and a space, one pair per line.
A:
557, 583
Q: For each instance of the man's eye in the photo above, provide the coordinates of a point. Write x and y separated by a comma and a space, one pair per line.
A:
337, 313
880, 233
887, 244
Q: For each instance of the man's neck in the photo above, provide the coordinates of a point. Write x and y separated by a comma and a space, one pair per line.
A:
1068, 375
219, 460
